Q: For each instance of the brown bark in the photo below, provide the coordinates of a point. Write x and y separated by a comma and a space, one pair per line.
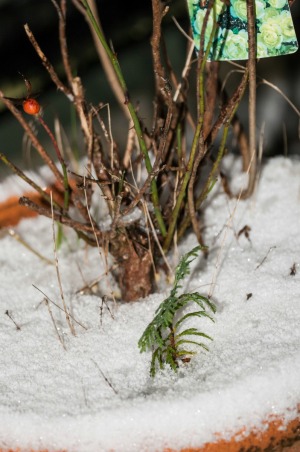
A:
134, 272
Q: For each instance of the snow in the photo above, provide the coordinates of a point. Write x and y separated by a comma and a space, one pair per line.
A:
96, 394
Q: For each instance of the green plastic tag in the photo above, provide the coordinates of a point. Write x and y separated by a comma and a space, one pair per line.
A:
226, 29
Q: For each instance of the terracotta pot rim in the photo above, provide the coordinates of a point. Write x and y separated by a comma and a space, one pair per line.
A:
275, 434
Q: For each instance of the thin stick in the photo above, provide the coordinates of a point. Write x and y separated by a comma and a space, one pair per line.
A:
91, 221
183, 32
76, 225
19, 239
265, 258
97, 241
9, 315
146, 185
228, 75
226, 227
279, 91
26, 179
71, 326
60, 338
158, 12
263, 81
252, 94
62, 12
191, 202
35, 142
105, 378
75, 95
148, 218
146, 210
131, 137
61, 160
107, 133
260, 154
229, 108
59, 307
105, 60
48, 65
64, 143
104, 302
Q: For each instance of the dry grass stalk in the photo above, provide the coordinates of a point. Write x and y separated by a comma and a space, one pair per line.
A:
60, 338
68, 318
60, 308
9, 315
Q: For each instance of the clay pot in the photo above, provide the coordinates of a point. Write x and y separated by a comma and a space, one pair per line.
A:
11, 212
276, 437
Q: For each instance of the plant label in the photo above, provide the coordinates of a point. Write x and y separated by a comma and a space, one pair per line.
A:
226, 32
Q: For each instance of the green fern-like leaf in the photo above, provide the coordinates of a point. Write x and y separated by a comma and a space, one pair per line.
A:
200, 344
161, 335
192, 332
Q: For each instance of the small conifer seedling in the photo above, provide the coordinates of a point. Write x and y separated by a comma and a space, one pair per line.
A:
164, 335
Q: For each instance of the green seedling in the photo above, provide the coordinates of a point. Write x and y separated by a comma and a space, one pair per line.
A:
164, 335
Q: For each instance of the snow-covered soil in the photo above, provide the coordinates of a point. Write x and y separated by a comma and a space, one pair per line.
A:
95, 393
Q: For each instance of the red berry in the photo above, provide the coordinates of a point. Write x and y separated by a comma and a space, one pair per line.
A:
31, 106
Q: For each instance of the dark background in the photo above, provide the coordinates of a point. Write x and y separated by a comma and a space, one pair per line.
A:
129, 25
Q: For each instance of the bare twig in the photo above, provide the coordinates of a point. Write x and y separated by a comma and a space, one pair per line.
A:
155, 170
265, 258
252, 95
211, 90
9, 315
59, 307
106, 63
228, 109
98, 243
48, 65
146, 210
159, 11
279, 91
104, 303
60, 338
105, 378
63, 219
191, 203
226, 228
71, 326
35, 142
107, 133
62, 11
19, 239
26, 179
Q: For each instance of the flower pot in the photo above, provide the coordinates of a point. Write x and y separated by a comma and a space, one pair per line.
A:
275, 437
243, 395
11, 212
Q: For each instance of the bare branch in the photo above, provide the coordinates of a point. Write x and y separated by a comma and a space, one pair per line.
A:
46, 63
